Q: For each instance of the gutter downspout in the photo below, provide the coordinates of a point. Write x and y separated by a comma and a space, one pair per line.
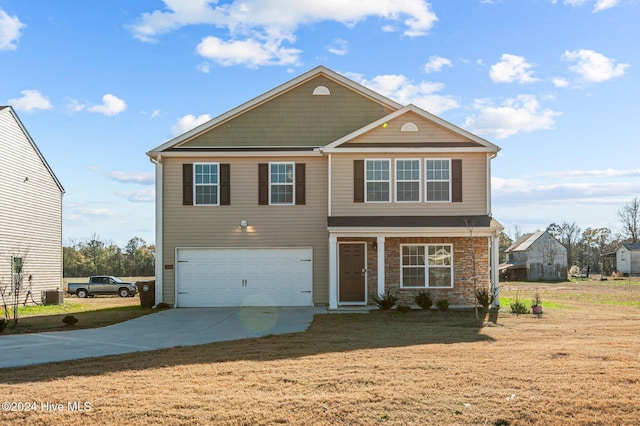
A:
159, 243
494, 242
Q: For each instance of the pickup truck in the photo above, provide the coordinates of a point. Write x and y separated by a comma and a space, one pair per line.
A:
102, 284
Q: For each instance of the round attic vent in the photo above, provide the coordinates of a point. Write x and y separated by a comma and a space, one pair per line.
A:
409, 127
321, 91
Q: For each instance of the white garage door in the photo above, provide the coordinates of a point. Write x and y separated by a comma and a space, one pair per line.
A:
215, 277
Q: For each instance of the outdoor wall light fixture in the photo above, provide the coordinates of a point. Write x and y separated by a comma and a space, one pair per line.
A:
243, 224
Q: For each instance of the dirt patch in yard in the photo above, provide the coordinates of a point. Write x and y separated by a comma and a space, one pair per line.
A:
568, 366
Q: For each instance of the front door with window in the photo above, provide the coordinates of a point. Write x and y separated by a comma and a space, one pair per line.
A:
352, 273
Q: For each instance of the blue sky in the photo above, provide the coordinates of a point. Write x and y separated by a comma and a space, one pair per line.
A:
554, 83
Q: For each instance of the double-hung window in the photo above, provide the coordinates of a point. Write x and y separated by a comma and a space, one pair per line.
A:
425, 266
438, 180
407, 180
281, 183
206, 184
377, 180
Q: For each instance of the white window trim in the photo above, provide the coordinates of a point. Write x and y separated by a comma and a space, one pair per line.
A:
426, 181
389, 181
396, 180
195, 185
426, 267
293, 184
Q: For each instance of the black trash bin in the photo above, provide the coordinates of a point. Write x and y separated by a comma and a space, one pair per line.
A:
147, 290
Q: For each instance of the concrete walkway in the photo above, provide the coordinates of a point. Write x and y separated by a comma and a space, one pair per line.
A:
165, 329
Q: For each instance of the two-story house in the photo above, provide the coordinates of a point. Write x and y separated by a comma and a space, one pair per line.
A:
30, 215
323, 192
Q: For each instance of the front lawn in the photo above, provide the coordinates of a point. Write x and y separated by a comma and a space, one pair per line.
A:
576, 366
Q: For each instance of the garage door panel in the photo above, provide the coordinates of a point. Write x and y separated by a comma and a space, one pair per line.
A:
244, 277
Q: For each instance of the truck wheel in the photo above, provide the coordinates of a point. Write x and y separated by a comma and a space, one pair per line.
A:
123, 292
82, 293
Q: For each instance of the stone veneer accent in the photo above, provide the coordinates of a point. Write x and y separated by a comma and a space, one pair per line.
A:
462, 292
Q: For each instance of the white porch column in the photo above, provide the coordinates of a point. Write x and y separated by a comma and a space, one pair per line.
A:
495, 256
380, 265
333, 272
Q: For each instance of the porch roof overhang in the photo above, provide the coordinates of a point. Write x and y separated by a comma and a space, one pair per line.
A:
404, 226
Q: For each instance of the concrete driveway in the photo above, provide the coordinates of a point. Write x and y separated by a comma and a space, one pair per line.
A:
165, 329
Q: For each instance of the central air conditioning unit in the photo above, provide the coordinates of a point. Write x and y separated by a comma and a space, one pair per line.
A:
52, 297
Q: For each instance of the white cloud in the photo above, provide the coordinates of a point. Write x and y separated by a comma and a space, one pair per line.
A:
188, 122
111, 105
338, 47
250, 52
522, 114
593, 66
605, 173
143, 178
141, 196
436, 63
262, 26
512, 68
30, 100
10, 27
73, 105
405, 91
155, 113
204, 67
598, 5
560, 82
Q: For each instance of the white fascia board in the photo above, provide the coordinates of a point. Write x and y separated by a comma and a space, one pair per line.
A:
183, 138
405, 150
426, 115
218, 153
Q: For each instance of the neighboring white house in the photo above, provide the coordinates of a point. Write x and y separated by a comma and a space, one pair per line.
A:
628, 258
30, 212
534, 257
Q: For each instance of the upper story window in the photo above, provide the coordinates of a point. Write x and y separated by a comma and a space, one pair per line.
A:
281, 183
438, 180
206, 184
377, 180
407, 180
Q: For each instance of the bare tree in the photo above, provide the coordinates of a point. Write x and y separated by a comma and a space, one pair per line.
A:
629, 216
568, 234
13, 287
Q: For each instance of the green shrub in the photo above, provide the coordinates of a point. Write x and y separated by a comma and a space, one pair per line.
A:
518, 307
442, 305
3, 324
483, 297
423, 299
69, 320
385, 301
403, 308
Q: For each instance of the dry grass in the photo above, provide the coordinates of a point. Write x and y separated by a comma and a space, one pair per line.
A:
577, 365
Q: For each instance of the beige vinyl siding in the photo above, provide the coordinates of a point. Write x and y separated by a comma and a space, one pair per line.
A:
296, 118
269, 226
474, 188
427, 132
30, 210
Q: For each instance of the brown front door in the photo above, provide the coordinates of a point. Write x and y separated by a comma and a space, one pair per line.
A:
352, 273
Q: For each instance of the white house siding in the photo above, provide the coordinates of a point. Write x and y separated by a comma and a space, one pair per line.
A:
628, 261
30, 210
474, 187
269, 226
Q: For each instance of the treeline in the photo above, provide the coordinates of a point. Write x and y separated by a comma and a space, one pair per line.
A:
97, 257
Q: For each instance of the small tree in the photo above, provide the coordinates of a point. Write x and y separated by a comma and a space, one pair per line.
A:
13, 288
629, 216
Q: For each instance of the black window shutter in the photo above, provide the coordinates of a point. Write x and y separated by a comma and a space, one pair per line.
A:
300, 183
187, 184
456, 181
263, 184
225, 184
358, 181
